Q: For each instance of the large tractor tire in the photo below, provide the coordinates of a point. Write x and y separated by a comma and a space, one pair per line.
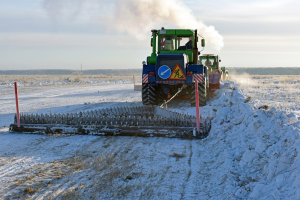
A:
148, 94
202, 93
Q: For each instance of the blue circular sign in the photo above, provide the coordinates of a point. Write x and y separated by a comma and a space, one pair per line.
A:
164, 72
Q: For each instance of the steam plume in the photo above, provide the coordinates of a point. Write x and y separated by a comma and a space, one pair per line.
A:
138, 17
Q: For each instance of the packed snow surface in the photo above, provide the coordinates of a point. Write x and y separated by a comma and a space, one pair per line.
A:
250, 153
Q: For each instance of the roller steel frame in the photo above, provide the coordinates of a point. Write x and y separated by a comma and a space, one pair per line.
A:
142, 121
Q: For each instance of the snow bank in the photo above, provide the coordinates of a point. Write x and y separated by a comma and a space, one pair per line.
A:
256, 151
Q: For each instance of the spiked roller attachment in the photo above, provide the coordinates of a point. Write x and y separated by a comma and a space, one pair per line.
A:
143, 121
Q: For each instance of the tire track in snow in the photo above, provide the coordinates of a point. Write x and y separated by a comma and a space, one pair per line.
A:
184, 189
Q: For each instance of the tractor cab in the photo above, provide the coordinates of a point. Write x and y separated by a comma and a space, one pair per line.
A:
175, 41
183, 43
213, 63
210, 60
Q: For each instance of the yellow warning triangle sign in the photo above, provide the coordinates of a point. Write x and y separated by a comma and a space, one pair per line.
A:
177, 74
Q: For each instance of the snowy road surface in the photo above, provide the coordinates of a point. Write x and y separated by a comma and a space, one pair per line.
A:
249, 154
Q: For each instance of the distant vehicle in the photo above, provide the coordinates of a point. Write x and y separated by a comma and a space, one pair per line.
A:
213, 63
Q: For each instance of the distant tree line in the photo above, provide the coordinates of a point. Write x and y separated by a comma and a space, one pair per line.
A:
126, 72
119, 72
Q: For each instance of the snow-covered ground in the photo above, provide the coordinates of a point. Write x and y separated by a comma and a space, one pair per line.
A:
281, 92
250, 153
47, 80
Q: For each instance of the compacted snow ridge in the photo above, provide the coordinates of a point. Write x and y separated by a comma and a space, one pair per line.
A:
250, 153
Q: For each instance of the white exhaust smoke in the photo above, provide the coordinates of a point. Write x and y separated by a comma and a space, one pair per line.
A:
137, 17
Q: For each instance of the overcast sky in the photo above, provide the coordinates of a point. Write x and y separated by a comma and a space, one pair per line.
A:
115, 34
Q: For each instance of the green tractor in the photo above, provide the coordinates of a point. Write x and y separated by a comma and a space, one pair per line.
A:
174, 67
213, 63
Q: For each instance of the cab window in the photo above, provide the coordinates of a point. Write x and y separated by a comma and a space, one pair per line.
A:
167, 43
209, 61
184, 43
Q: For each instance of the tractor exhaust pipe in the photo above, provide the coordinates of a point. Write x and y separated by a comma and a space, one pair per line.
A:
154, 33
195, 50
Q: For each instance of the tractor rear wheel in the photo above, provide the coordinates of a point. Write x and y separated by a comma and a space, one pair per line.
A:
148, 94
201, 93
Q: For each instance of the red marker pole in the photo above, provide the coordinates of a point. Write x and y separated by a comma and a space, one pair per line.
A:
197, 106
133, 81
17, 104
